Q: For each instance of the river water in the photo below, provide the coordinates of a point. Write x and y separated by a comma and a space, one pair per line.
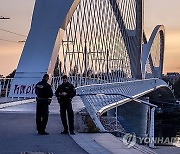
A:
167, 127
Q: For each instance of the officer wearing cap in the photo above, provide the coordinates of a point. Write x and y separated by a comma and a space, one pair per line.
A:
44, 94
65, 92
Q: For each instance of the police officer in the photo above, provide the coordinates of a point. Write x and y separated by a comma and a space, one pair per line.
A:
44, 94
65, 92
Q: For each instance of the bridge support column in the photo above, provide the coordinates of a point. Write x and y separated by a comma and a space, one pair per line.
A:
135, 117
151, 128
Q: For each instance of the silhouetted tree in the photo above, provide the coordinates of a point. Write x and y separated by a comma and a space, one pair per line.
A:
74, 71
57, 69
177, 88
11, 75
169, 82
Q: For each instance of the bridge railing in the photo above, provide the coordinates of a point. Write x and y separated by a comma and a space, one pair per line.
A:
5, 84
135, 89
150, 119
77, 81
99, 98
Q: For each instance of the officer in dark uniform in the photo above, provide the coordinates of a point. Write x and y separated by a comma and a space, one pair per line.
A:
65, 92
44, 94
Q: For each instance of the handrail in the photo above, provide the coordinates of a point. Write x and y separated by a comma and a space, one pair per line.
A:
124, 95
152, 110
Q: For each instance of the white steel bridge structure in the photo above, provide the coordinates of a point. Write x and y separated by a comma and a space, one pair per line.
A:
100, 44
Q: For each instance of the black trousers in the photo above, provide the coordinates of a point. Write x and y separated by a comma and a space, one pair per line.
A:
42, 114
66, 107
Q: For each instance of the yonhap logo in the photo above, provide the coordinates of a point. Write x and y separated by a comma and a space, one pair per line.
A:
129, 140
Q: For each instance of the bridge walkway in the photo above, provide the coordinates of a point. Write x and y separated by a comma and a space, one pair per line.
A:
18, 133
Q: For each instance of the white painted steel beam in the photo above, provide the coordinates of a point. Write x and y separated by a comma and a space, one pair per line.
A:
41, 48
147, 52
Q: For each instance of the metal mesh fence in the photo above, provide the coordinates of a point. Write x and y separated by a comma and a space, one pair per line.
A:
97, 41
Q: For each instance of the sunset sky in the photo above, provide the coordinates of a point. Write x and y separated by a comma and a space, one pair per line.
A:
164, 12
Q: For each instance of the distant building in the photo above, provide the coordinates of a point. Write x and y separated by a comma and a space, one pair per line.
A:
172, 76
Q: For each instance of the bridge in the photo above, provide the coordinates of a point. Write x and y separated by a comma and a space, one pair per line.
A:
103, 48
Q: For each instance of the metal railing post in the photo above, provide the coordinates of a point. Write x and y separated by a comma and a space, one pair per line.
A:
0, 88
7, 88
116, 118
53, 84
151, 128
3, 83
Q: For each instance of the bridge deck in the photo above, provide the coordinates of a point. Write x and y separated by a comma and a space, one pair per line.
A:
18, 134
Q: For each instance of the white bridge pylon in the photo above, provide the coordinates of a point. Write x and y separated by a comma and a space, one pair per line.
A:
42, 46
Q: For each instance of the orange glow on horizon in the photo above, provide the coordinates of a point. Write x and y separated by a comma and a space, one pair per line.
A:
172, 51
20, 13
10, 54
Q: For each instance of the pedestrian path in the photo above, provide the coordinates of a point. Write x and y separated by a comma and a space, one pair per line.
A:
18, 133
6, 99
15, 103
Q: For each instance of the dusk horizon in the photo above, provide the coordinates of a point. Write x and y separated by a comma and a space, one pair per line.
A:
20, 14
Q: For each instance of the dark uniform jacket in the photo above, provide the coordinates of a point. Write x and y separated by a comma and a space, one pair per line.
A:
69, 89
43, 90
